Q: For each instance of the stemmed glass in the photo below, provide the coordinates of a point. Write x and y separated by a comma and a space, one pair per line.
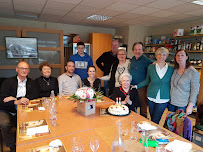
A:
94, 143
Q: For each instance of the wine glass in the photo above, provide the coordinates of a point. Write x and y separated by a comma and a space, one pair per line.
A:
94, 143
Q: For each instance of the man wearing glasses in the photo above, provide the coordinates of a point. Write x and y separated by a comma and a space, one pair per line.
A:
15, 91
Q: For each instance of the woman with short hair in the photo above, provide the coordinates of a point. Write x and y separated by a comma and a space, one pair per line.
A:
46, 83
158, 77
129, 97
119, 67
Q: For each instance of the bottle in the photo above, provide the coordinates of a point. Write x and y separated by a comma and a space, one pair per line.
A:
52, 95
179, 45
176, 45
195, 45
198, 44
190, 46
183, 45
118, 143
201, 45
187, 45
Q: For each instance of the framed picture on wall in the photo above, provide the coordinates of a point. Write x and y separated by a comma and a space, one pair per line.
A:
21, 48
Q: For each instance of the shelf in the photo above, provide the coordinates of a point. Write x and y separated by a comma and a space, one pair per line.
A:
175, 51
151, 45
190, 51
149, 52
177, 37
195, 66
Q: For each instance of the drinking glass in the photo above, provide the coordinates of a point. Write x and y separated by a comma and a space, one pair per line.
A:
77, 145
160, 149
124, 131
94, 143
134, 134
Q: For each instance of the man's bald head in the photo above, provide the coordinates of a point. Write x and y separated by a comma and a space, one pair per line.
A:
22, 69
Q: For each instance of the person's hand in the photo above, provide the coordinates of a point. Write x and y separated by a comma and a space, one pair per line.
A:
99, 78
154, 63
126, 99
23, 100
7, 99
133, 86
189, 108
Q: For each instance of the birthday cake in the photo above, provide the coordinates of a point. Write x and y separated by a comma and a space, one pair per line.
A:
118, 110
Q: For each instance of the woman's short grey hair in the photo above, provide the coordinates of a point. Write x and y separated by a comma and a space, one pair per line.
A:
162, 50
125, 75
122, 50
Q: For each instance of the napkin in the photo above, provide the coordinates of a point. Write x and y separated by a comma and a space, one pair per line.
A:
178, 146
146, 126
41, 108
37, 130
55, 143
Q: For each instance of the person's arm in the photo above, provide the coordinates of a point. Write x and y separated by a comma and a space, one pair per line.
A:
115, 94
56, 87
193, 92
60, 84
6, 95
31, 90
99, 62
146, 81
107, 77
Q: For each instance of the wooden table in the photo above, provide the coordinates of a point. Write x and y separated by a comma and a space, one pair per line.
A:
72, 124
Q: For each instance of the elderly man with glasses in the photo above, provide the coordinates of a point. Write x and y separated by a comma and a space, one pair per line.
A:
15, 91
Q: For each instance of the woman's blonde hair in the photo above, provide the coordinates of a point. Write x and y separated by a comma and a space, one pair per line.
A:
162, 50
122, 50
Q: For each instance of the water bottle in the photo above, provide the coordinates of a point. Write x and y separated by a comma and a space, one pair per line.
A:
118, 143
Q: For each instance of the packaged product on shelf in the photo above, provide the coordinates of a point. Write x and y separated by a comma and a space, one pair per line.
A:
178, 32
199, 29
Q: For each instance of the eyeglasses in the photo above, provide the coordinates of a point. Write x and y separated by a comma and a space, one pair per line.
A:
121, 54
22, 69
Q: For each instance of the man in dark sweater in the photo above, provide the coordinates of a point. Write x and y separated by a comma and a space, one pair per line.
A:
105, 61
138, 70
15, 91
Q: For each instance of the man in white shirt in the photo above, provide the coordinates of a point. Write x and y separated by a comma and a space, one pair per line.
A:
69, 82
15, 91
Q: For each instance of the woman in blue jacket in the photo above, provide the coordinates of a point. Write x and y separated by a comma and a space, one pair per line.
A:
158, 77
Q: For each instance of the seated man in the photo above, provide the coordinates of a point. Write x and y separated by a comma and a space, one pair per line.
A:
69, 82
15, 91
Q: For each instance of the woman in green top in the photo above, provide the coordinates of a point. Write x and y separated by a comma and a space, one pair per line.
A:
158, 77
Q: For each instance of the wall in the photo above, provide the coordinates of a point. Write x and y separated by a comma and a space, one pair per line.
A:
83, 31
168, 29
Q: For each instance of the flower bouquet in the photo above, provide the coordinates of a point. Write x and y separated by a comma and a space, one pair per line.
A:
86, 98
86, 94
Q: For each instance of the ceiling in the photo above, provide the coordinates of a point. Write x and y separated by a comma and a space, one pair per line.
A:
123, 12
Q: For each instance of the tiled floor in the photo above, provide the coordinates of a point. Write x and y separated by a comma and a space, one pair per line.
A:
6, 149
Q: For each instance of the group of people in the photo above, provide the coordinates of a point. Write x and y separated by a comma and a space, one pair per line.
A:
138, 82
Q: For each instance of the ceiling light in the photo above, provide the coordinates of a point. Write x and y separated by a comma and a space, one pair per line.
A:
98, 17
26, 15
198, 2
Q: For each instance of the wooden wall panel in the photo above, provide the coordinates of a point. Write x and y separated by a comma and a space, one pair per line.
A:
100, 43
60, 49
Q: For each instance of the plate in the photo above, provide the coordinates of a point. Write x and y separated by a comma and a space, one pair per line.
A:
117, 115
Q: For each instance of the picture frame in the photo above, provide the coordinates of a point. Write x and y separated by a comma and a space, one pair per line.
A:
21, 48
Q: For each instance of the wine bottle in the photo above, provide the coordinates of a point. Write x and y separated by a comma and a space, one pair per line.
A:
118, 144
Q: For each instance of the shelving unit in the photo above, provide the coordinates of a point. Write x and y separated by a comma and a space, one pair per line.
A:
188, 36
194, 54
